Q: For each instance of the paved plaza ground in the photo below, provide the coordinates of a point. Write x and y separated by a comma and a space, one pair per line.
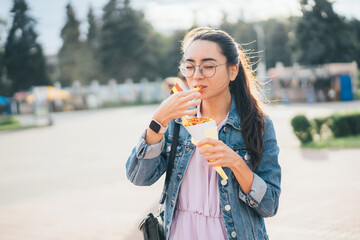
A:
68, 181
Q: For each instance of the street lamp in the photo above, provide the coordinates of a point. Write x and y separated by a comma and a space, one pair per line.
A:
260, 39
261, 67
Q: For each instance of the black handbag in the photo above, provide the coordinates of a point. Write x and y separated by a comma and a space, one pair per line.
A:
152, 226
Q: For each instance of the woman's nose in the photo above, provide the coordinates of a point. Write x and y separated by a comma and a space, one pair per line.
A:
198, 72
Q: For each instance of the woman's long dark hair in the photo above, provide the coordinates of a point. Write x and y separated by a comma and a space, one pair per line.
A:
244, 88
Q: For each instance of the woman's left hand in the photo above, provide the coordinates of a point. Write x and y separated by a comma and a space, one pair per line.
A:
219, 154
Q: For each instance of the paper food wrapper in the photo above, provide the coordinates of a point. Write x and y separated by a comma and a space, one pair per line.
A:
206, 130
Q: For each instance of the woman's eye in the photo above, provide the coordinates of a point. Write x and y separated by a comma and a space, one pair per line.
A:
208, 67
189, 67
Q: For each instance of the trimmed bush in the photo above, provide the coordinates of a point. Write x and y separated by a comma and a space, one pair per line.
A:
357, 95
343, 125
302, 128
7, 120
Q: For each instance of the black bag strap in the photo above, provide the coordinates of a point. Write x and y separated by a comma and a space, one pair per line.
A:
171, 161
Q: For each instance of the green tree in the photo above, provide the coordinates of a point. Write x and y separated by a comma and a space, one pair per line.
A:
93, 31
78, 59
68, 54
4, 85
321, 35
126, 43
1, 64
354, 28
277, 48
171, 55
244, 33
91, 65
276, 32
24, 58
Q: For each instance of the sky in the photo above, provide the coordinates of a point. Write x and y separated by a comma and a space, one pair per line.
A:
165, 15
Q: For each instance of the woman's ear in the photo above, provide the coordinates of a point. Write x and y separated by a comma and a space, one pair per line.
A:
234, 69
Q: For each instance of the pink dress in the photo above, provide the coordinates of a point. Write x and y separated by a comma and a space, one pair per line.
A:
198, 214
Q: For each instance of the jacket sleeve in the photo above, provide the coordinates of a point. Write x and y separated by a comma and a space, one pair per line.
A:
265, 190
147, 163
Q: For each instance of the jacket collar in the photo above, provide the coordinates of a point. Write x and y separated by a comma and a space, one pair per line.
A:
233, 118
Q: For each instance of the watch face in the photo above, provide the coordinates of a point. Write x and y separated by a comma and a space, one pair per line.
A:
155, 126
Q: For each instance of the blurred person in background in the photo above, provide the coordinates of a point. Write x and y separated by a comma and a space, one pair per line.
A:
332, 94
199, 204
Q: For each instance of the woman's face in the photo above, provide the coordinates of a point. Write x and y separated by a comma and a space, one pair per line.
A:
207, 53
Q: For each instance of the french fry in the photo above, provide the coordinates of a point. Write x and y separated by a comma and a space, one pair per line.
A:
191, 121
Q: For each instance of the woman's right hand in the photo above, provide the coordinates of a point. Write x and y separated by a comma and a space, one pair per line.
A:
176, 106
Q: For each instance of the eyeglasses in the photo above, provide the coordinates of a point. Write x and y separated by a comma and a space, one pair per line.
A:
207, 69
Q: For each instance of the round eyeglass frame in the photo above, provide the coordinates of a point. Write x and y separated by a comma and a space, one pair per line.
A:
182, 69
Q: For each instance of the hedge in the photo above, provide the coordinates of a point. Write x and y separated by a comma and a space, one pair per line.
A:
7, 120
302, 128
341, 125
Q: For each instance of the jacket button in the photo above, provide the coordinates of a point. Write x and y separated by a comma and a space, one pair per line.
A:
227, 208
233, 234
247, 156
223, 182
251, 202
179, 176
225, 129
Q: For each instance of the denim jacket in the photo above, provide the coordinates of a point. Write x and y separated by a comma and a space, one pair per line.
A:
243, 213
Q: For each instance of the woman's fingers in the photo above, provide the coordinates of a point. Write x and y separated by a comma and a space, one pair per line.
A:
192, 103
177, 105
211, 150
214, 156
183, 100
210, 141
189, 112
217, 163
190, 95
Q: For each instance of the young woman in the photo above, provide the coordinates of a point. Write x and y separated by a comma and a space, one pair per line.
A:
199, 203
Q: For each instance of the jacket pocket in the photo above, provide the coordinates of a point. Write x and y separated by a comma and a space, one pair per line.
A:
244, 154
178, 150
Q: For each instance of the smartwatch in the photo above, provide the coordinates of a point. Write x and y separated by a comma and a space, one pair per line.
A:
157, 127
